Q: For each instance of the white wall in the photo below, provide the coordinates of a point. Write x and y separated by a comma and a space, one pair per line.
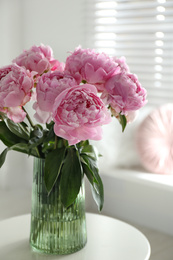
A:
10, 27
57, 23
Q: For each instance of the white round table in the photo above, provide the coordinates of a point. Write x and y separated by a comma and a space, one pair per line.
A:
108, 238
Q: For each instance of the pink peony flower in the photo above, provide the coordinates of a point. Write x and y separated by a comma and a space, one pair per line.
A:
130, 115
42, 116
16, 114
49, 86
122, 64
124, 93
15, 91
79, 113
94, 68
38, 59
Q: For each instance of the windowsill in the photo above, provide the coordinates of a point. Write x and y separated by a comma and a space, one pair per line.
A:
143, 177
139, 197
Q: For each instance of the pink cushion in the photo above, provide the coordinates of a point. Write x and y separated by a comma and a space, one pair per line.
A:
155, 140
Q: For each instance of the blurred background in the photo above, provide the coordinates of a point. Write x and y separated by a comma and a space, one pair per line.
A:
142, 31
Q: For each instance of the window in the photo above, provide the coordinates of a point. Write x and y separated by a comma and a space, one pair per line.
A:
142, 31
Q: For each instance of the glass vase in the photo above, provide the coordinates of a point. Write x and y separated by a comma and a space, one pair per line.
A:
54, 228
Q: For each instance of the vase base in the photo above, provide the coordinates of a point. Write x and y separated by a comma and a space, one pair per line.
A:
57, 252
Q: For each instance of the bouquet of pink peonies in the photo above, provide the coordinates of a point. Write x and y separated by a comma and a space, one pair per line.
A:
71, 101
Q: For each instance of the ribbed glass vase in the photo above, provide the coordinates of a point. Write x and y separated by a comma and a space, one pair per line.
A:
54, 228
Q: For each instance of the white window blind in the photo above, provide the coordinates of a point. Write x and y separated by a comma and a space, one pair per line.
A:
142, 31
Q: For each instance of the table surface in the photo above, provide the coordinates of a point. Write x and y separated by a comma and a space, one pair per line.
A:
108, 238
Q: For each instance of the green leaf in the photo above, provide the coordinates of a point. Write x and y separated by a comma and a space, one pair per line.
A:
50, 125
7, 137
24, 124
3, 156
49, 136
3, 115
35, 141
24, 148
37, 132
20, 147
90, 151
71, 176
91, 171
53, 164
123, 121
18, 129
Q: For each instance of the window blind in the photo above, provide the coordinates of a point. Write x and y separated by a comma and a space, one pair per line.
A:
142, 31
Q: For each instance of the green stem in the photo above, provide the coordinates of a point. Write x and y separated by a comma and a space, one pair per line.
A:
29, 119
37, 151
33, 126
